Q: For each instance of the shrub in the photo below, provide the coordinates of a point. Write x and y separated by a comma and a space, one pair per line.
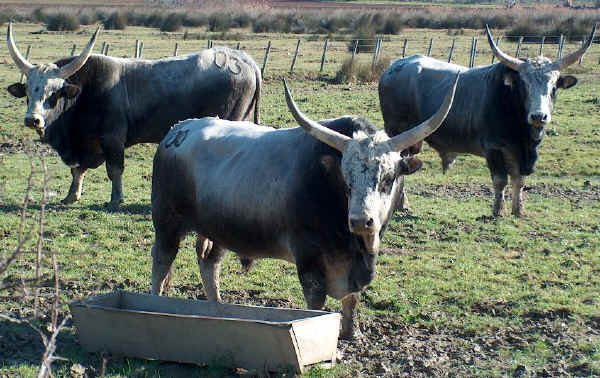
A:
116, 21
347, 72
195, 20
86, 19
392, 25
62, 22
38, 15
219, 22
366, 40
172, 22
351, 71
154, 20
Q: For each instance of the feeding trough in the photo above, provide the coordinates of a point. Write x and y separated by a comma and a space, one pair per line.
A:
203, 332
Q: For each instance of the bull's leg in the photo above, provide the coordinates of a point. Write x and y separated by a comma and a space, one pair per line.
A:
209, 261
403, 201
350, 319
115, 163
499, 178
163, 254
76, 186
517, 191
313, 284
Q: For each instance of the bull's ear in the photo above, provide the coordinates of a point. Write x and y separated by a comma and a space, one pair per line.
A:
566, 81
17, 89
409, 165
70, 91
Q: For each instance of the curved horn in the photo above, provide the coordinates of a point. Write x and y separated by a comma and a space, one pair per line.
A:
22, 63
418, 133
507, 60
565, 62
69, 69
322, 133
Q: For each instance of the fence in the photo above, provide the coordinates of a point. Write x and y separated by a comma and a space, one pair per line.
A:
317, 55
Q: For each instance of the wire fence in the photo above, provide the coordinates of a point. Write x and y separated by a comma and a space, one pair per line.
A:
317, 55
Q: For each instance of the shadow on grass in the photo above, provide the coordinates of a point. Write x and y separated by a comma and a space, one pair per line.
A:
132, 209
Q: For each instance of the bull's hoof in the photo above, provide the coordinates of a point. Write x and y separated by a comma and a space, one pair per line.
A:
519, 213
113, 205
69, 200
351, 335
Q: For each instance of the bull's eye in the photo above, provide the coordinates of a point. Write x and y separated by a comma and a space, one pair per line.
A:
386, 183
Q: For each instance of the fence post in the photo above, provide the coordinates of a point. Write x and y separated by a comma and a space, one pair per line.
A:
73, 49
472, 52
141, 54
581, 57
430, 46
26, 58
542, 45
518, 52
404, 47
106, 49
379, 49
238, 46
176, 50
560, 46
355, 49
136, 48
264, 67
324, 53
451, 50
295, 56
498, 39
375, 52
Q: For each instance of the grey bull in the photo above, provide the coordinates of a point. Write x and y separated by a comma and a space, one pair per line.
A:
319, 196
90, 107
500, 111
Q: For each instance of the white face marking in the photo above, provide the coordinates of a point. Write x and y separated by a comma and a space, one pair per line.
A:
369, 167
43, 86
540, 82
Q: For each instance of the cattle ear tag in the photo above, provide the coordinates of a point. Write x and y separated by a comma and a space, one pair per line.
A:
508, 80
18, 90
410, 165
70, 91
566, 82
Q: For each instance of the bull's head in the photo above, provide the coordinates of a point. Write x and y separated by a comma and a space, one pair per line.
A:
537, 80
46, 87
371, 166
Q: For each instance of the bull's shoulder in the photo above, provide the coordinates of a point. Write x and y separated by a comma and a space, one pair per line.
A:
418, 65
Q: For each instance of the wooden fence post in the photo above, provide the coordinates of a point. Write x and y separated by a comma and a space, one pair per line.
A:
103, 47
105, 52
430, 46
375, 52
176, 50
471, 55
238, 46
404, 47
355, 49
136, 49
73, 49
498, 39
581, 57
26, 58
560, 46
451, 50
518, 52
295, 56
324, 53
264, 67
542, 45
141, 53
208, 44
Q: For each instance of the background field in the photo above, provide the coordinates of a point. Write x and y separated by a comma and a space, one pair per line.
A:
456, 291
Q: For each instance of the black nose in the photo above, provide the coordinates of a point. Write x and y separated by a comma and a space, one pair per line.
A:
539, 117
32, 122
362, 223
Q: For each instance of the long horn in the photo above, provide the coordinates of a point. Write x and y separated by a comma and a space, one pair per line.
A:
322, 133
22, 63
565, 62
69, 69
418, 133
507, 60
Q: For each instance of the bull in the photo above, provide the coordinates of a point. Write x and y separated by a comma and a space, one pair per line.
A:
90, 107
319, 196
500, 112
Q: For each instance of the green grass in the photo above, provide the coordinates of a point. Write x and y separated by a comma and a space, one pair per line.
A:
457, 271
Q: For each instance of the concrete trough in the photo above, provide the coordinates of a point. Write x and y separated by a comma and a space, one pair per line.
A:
203, 332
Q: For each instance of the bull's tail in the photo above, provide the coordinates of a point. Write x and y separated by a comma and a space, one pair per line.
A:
257, 93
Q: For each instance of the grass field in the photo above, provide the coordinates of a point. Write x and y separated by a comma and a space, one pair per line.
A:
456, 291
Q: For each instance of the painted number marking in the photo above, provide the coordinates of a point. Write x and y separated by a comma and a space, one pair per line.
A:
177, 138
228, 62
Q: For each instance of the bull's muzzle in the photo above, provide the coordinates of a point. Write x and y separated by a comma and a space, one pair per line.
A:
36, 123
539, 119
361, 224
